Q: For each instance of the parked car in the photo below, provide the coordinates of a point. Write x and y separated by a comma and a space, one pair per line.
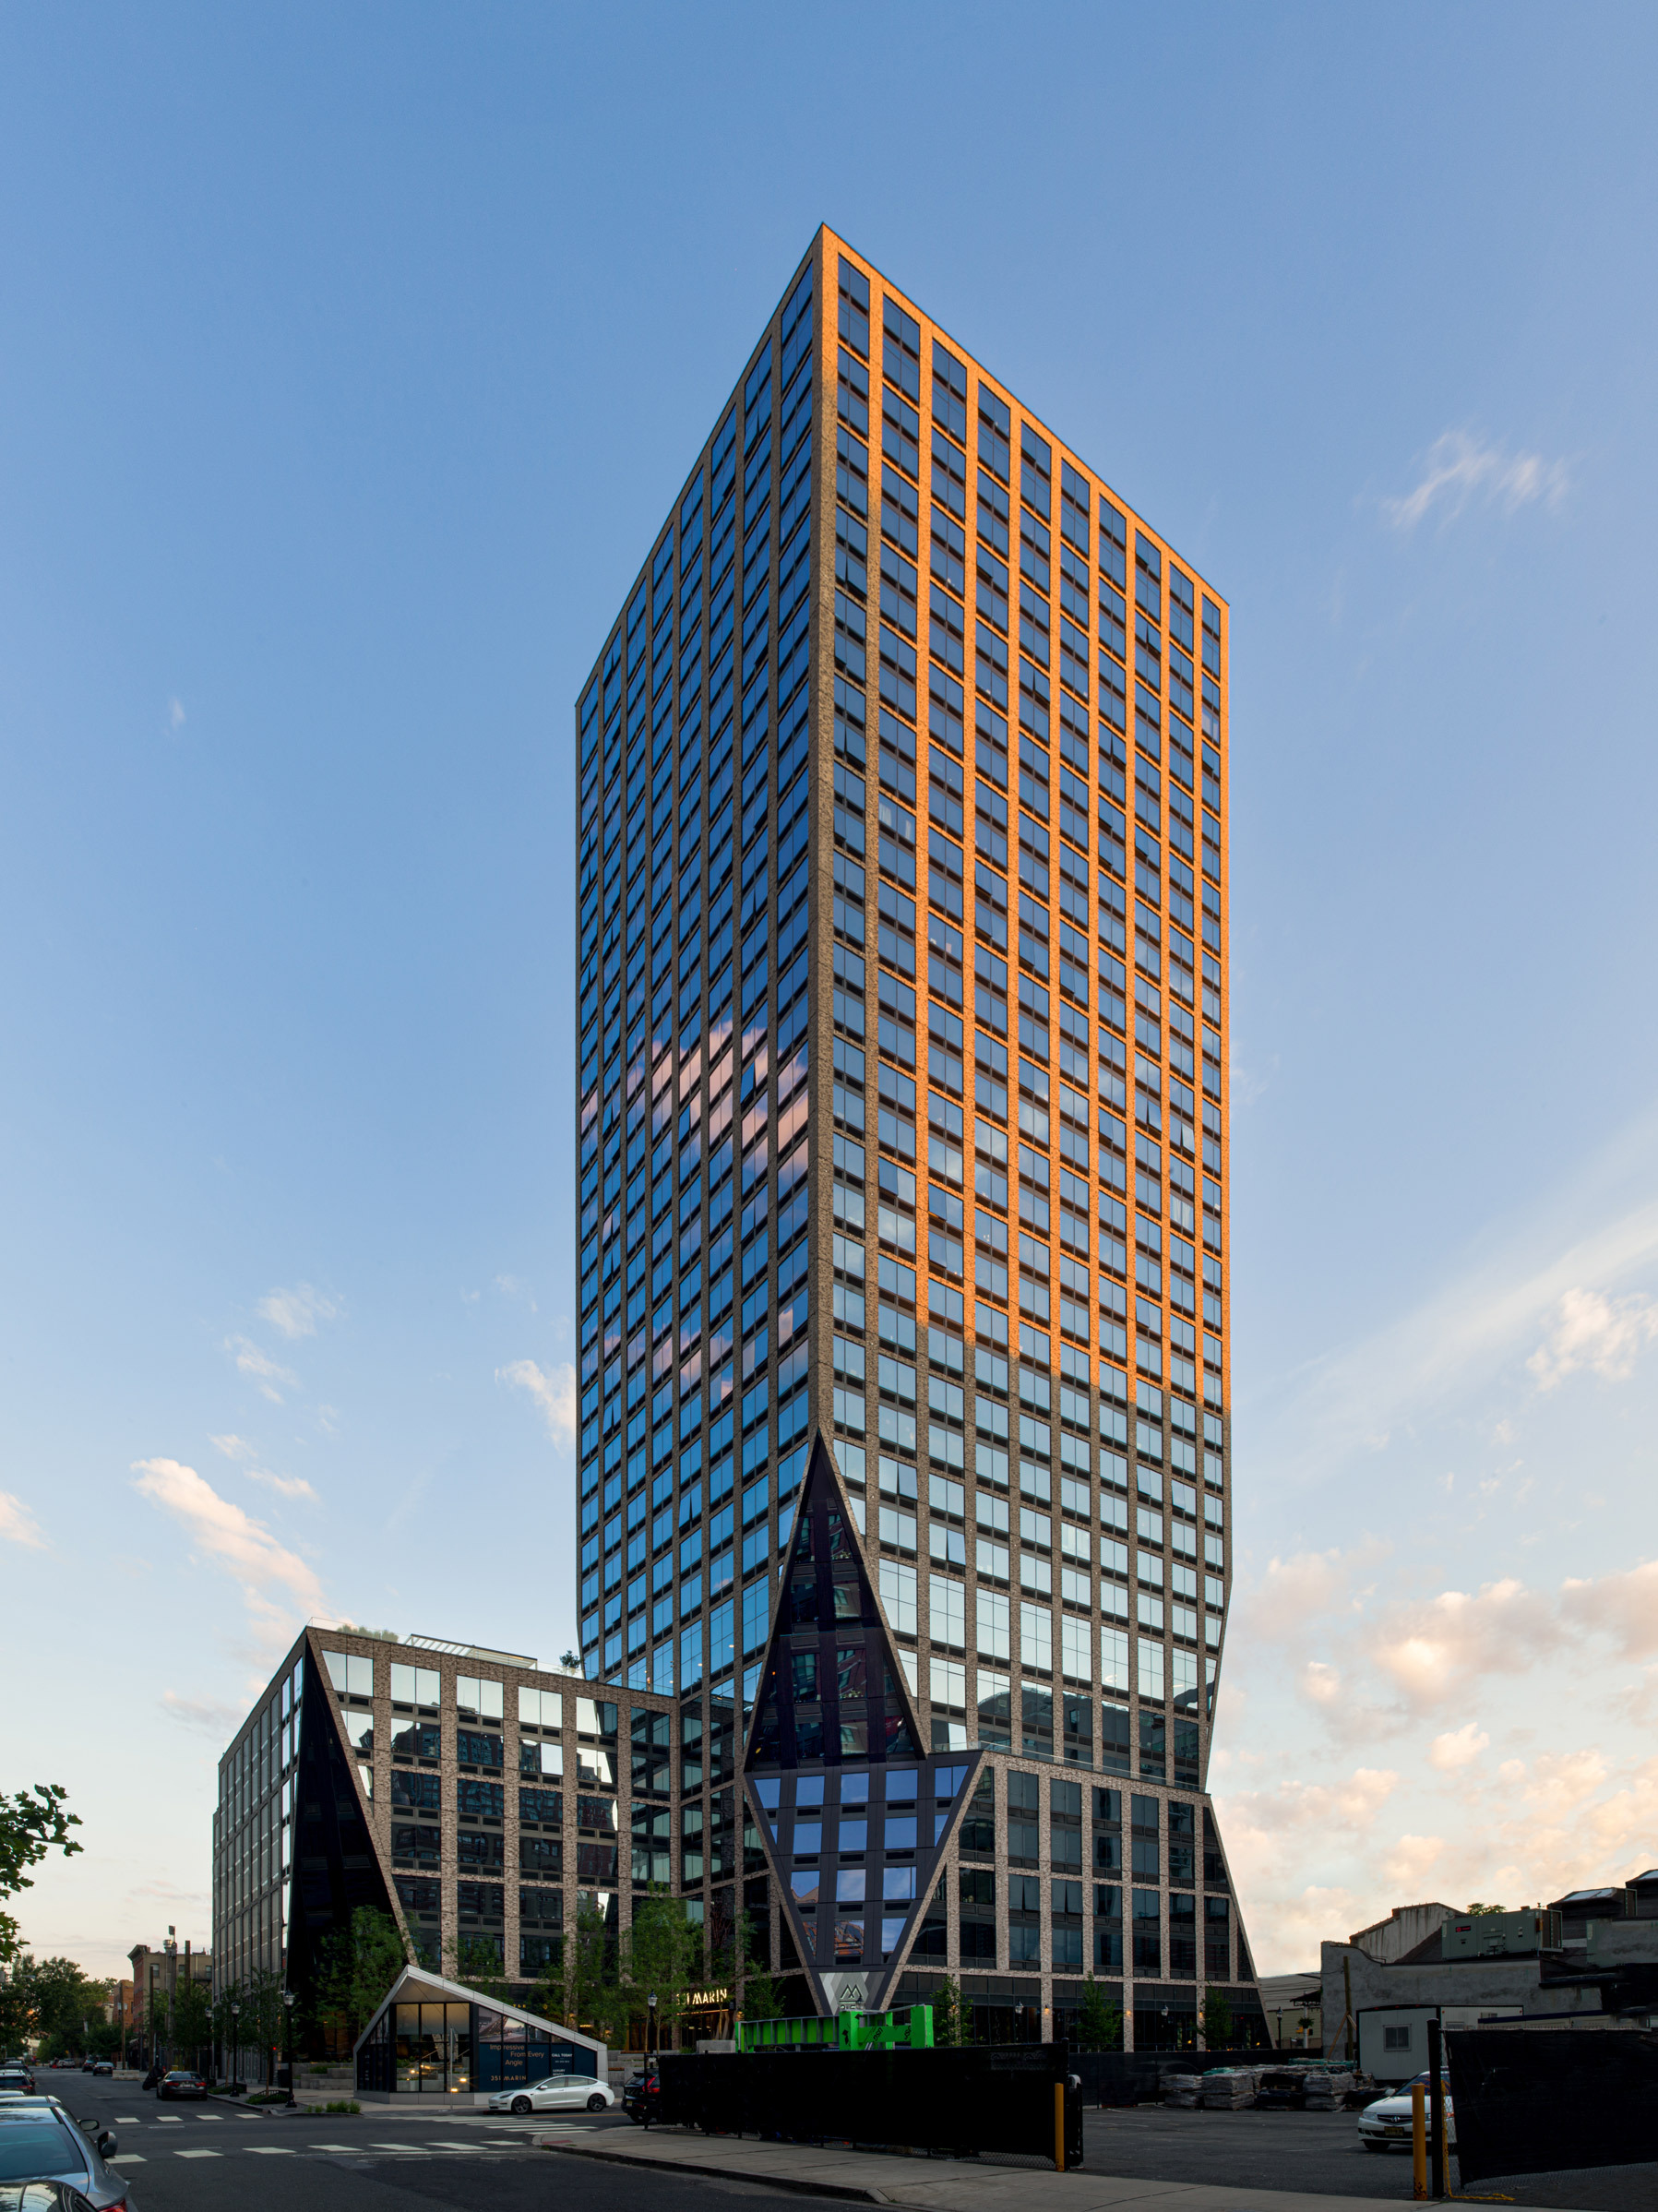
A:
38, 2142
104, 2066
557, 2093
641, 2095
182, 2082
17, 2080
1387, 2125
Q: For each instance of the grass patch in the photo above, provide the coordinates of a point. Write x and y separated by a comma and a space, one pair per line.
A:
345, 2104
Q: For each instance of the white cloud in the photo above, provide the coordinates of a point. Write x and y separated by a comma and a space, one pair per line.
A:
1433, 1648
1408, 1864
297, 1311
1460, 468
1596, 1332
1320, 1681
554, 1392
201, 1712
1622, 1606
235, 1447
230, 1538
18, 1526
260, 1369
176, 713
286, 1486
1457, 1746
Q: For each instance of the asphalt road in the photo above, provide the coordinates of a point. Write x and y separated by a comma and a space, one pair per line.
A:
1317, 2153
200, 2157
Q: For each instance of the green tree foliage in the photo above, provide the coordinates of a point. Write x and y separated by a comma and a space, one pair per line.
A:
615, 1972
947, 2020
753, 1986
226, 2028
478, 1965
1218, 2023
192, 2020
50, 2002
158, 2023
593, 1975
262, 2018
1098, 2020
359, 1962
1481, 1912
31, 1823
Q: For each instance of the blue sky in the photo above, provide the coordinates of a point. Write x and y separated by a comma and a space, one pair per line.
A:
351, 361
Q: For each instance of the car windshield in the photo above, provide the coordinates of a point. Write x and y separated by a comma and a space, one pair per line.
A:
31, 2148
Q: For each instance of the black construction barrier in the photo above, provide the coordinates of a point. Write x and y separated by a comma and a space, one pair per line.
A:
998, 2097
1544, 2099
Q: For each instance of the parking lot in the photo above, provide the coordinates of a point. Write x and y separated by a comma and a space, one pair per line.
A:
1319, 2154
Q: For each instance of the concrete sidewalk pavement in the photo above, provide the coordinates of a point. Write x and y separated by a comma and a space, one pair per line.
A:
949, 2185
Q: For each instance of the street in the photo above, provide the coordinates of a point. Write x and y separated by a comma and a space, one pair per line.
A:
395, 2158
188, 2158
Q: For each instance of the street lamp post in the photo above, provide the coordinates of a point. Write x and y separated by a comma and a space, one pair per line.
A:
235, 2045
288, 2038
651, 2039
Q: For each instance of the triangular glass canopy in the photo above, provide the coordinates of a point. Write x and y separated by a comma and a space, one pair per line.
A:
855, 1817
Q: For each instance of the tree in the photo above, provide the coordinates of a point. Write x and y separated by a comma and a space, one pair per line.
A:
1481, 1912
158, 2022
946, 2015
662, 1957
1217, 2020
360, 1963
31, 1823
262, 2016
594, 1975
225, 2029
1098, 2020
754, 1988
479, 1967
192, 2019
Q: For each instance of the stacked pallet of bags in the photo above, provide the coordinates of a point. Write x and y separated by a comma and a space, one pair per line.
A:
1327, 2089
1228, 2088
1183, 2091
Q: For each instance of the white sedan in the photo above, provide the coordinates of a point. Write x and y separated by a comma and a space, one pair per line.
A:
557, 2092
1387, 2125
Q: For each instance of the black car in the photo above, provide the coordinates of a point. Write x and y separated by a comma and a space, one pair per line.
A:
641, 2098
183, 2082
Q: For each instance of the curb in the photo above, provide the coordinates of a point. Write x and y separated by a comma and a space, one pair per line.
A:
866, 2195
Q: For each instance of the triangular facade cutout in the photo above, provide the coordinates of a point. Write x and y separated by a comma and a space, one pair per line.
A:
832, 1687
855, 1816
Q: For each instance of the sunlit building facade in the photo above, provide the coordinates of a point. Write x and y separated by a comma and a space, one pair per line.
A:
901, 1096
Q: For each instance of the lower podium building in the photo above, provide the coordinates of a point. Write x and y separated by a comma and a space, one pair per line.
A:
474, 1797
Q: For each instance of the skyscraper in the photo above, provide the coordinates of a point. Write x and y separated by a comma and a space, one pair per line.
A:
901, 1092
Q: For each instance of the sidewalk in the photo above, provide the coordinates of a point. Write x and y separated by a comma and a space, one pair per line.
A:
950, 2184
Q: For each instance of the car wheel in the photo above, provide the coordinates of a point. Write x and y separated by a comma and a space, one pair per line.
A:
522, 2104
597, 2103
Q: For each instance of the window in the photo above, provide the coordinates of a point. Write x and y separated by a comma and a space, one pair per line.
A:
1396, 2039
855, 308
901, 348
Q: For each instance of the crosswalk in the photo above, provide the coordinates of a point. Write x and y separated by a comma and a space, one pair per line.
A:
446, 2147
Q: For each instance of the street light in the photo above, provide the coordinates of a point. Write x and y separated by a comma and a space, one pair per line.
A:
236, 2045
288, 2038
650, 2042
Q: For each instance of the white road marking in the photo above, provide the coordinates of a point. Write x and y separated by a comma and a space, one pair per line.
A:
198, 2154
128, 2158
270, 2150
169, 2119
126, 2120
333, 2146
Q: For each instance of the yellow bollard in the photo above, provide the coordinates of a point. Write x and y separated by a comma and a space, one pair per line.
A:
1059, 2126
1419, 2142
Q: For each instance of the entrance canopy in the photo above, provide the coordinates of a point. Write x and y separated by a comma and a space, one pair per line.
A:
439, 2038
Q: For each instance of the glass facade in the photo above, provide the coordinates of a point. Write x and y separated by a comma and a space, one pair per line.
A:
943, 725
